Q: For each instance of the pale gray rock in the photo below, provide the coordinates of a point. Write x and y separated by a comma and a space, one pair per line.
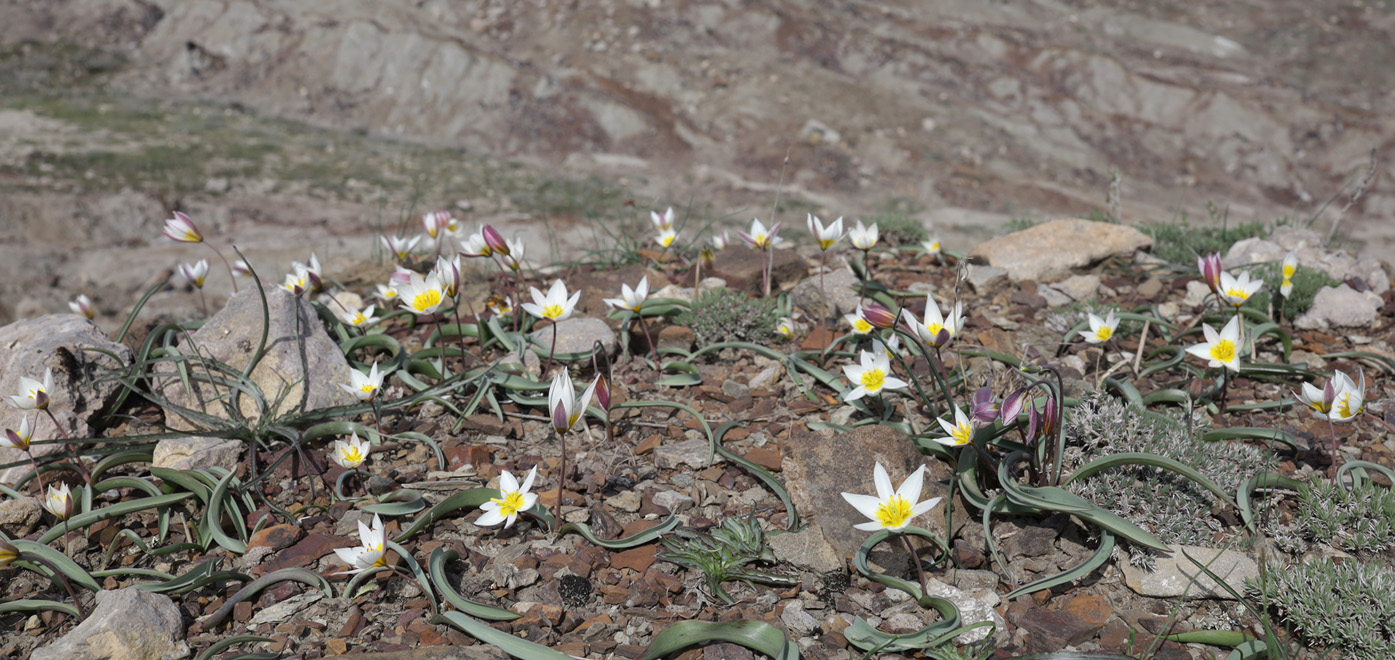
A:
127, 624
683, 293
765, 378
1197, 294
58, 342
19, 516
1173, 576
985, 279
302, 367
1079, 287
1049, 251
1252, 251
841, 286
578, 334
690, 453
799, 622
196, 453
973, 607
284, 610
1053, 296
1340, 307
673, 500
807, 549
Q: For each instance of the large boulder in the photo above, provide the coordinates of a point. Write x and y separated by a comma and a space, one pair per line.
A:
742, 268
302, 367
819, 467
128, 624
1051, 250
75, 349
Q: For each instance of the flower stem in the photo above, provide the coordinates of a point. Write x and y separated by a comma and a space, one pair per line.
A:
1332, 428
551, 350
225, 264
68, 444
653, 348
561, 481
823, 318
37, 476
61, 579
203, 302
915, 560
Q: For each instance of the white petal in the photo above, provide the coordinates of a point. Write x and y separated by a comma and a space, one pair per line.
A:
1231, 330
507, 484
925, 506
528, 483
490, 518
883, 482
865, 504
910, 488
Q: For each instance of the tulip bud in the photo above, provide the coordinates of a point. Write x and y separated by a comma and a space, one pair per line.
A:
984, 409
8, 552
879, 316
1012, 405
494, 240
1210, 267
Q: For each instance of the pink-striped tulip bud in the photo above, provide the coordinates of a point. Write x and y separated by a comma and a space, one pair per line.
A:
985, 408
603, 392
495, 240
181, 228
879, 316
1210, 267
1012, 406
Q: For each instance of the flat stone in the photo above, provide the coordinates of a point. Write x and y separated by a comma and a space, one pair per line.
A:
578, 335
820, 466
276, 537
638, 559
127, 624
476, 652
19, 516
673, 500
196, 453
807, 549
1173, 575
1049, 251
741, 268
1080, 287
974, 607
1053, 296
985, 279
841, 286
284, 610
55, 341
799, 622
302, 367
689, 453
1340, 307
766, 378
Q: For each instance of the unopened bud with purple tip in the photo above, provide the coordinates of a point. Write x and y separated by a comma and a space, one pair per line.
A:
1210, 267
1012, 405
880, 317
495, 240
985, 408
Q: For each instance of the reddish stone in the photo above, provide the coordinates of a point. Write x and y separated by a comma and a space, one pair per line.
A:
276, 537
308, 551
766, 457
648, 444
636, 558
242, 611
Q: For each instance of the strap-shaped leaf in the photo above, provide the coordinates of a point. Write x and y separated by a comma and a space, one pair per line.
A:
641, 538
1150, 460
1085, 568
758, 636
116, 510
54, 559
437, 567
509, 644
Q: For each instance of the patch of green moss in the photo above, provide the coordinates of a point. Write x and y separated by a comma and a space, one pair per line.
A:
722, 315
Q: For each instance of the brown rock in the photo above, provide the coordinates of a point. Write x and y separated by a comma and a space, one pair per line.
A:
741, 268
648, 444
308, 551
1090, 609
820, 466
766, 457
336, 646
638, 559
1049, 251
276, 537
242, 611
672, 336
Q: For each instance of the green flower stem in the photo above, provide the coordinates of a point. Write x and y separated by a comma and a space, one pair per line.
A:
39, 477
653, 348
68, 444
227, 265
561, 478
920, 391
915, 559
58, 577
1332, 428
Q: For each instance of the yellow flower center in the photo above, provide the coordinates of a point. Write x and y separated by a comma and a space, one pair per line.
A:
552, 311
862, 326
382, 556
1288, 272
351, 454
963, 433
824, 243
368, 388
935, 247
359, 318
389, 294
934, 329
894, 512
786, 331
427, 299
760, 240
510, 504
873, 379
1344, 407
1239, 295
1223, 351
1104, 333
666, 240
192, 237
